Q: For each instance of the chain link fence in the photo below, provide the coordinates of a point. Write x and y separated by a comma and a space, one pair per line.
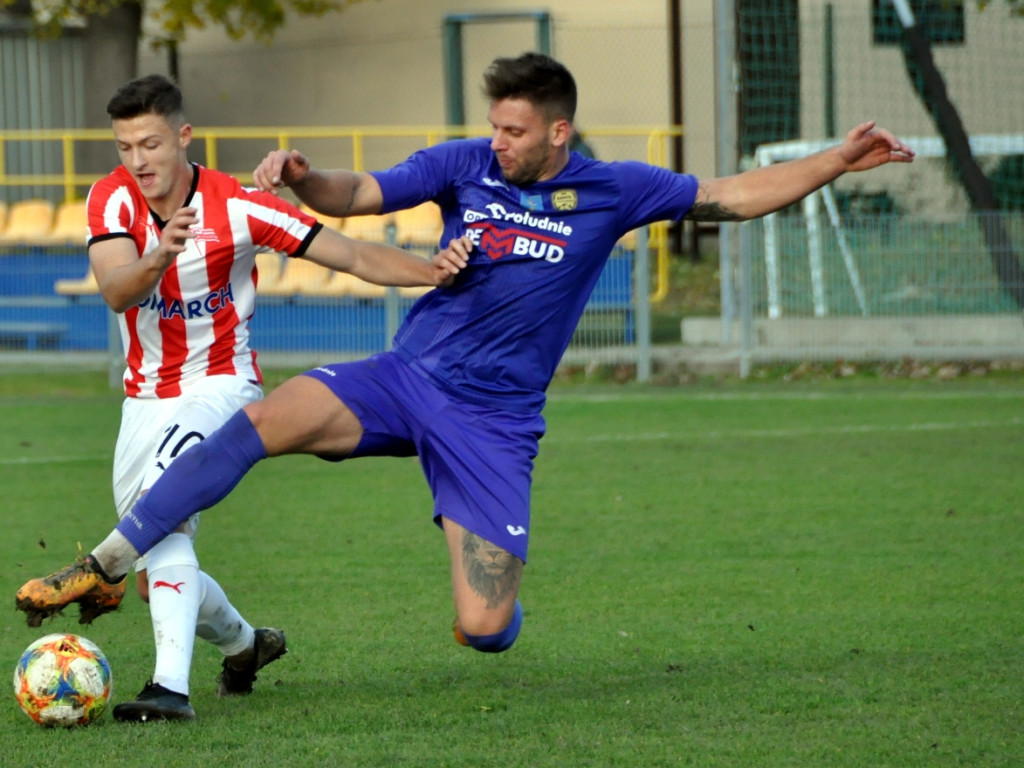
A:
903, 260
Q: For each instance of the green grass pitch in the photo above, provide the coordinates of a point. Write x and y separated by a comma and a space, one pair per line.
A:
730, 574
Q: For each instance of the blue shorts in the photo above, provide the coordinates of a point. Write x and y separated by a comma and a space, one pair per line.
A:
477, 460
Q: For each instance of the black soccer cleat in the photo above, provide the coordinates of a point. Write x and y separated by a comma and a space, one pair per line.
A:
268, 645
155, 703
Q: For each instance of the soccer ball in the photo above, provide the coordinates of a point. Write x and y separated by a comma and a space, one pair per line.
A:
62, 680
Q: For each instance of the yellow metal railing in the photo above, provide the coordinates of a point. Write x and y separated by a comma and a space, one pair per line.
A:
657, 139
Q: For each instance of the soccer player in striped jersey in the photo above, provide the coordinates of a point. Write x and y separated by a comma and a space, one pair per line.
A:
464, 384
173, 247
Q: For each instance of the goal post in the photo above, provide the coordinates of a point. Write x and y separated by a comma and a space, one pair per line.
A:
926, 148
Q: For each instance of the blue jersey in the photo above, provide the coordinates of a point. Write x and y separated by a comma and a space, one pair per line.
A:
496, 336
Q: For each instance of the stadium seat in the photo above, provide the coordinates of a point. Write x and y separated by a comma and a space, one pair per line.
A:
413, 292
83, 286
70, 227
419, 226
268, 267
332, 222
299, 277
344, 284
628, 241
3, 215
367, 227
329, 287
28, 221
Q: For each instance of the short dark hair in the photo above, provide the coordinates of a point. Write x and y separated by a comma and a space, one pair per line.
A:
151, 94
538, 78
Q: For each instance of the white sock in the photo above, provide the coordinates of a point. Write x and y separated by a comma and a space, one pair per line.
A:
175, 592
220, 622
115, 554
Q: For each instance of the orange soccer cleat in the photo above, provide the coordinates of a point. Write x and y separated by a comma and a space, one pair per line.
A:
81, 582
459, 637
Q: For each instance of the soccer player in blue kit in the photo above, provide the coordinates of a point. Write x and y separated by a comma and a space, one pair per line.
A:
464, 384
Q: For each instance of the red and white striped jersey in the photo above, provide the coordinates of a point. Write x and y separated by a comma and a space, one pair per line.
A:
196, 323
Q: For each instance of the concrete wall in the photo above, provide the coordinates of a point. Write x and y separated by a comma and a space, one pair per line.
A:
380, 62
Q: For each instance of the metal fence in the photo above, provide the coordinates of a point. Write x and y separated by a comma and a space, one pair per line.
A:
875, 288
892, 263
51, 312
47, 305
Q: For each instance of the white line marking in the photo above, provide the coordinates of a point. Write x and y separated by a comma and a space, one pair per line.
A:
852, 429
614, 397
51, 460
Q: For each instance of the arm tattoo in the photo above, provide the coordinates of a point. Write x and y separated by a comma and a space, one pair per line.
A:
712, 212
351, 200
706, 209
492, 572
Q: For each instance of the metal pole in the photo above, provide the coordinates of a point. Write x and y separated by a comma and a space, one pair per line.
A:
726, 89
544, 32
675, 69
830, 73
392, 314
746, 300
814, 254
642, 302
453, 85
115, 356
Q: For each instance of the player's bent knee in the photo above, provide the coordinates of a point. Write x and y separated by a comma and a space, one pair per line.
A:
142, 586
499, 641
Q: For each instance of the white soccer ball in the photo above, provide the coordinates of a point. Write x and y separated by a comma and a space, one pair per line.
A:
62, 680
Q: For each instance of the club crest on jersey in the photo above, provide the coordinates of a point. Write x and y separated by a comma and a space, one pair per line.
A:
204, 235
564, 199
531, 202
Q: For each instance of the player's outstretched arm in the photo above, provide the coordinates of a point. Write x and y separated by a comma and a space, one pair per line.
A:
333, 193
125, 279
385, 265
760, 191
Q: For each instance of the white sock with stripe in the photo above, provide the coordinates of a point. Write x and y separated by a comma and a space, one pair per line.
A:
175, 592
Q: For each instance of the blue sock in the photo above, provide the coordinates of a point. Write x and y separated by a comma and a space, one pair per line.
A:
194, 481
499, 641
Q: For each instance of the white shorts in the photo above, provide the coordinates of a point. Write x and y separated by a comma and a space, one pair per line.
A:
154, 431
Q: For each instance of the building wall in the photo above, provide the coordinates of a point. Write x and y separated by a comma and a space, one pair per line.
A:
380, 62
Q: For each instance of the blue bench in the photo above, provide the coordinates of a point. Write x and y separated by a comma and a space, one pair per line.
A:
33, 317
31, 335
609, 312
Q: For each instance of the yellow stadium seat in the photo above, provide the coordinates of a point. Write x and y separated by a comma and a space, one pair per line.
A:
414, 292
299, 277
3, 215
83, 286
344, 284
419, 226
28, 221
332, 222
70, 227
335, 285
367, 227
268, 267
